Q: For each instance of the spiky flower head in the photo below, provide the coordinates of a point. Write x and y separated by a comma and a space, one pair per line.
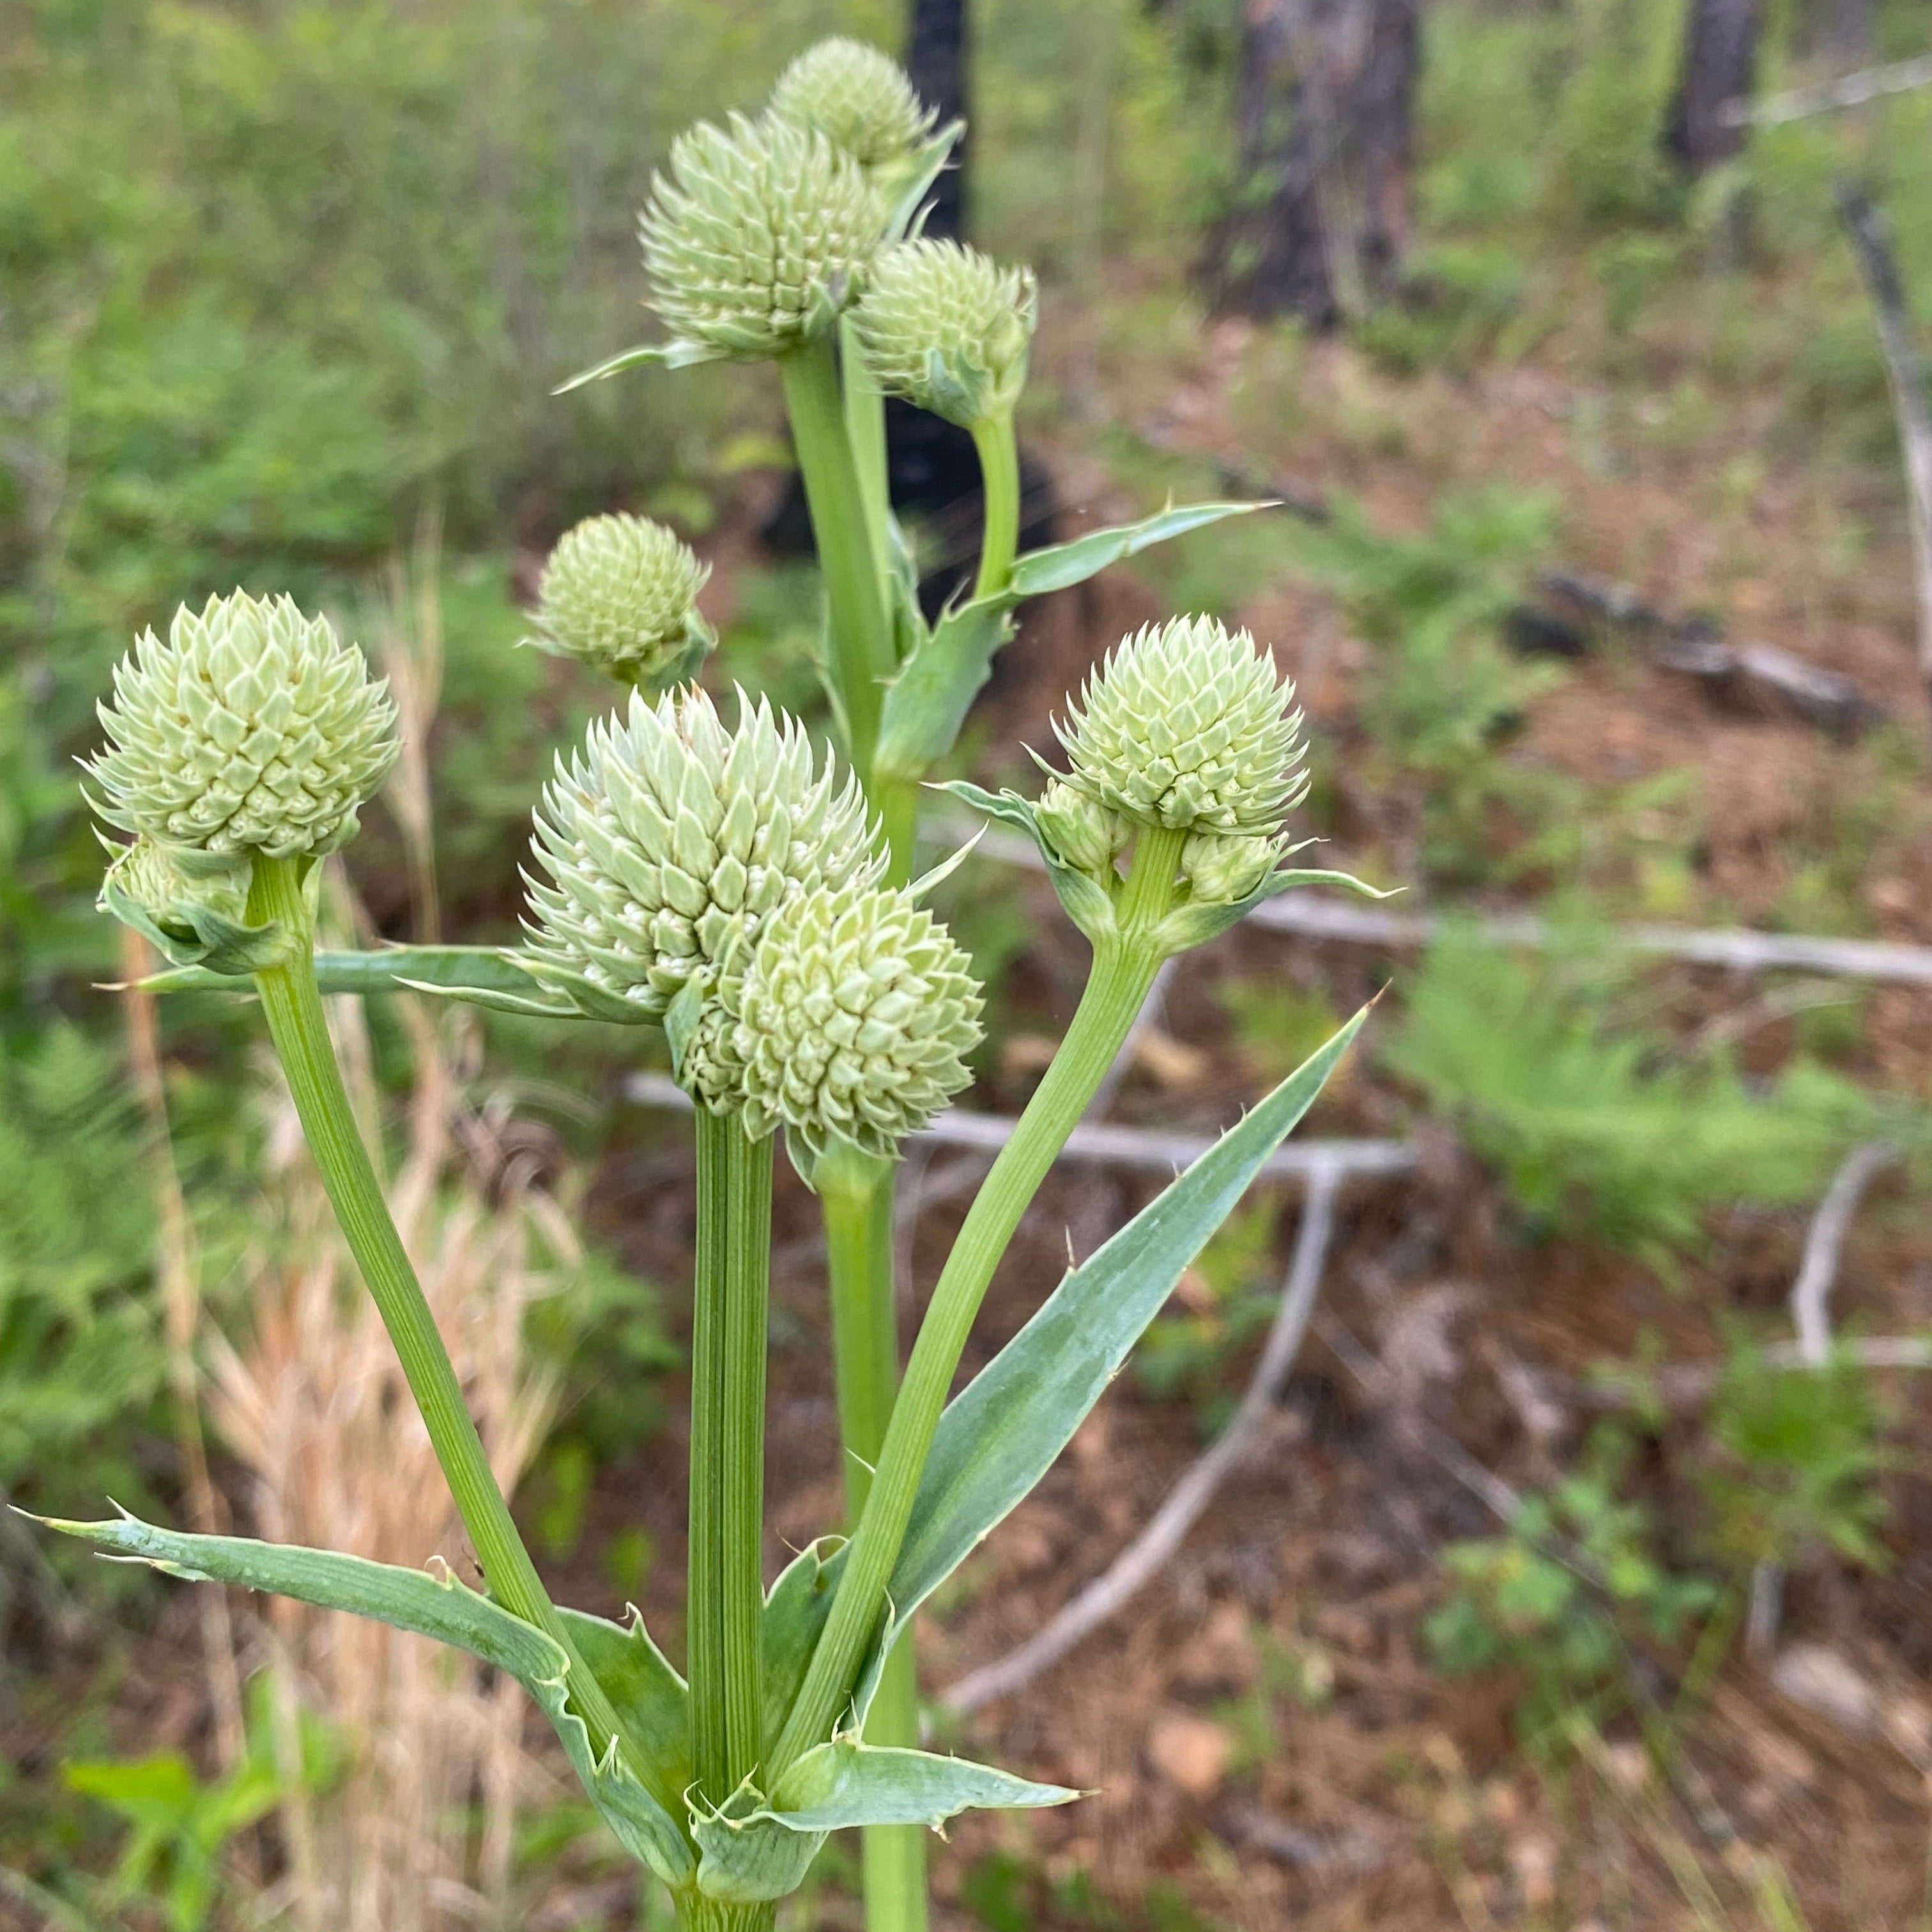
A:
1223, 867
853, 1020
620, 593
171, 890
669, 842
1185, 725
757, 236
857, 97
942, 325
253, 729
1083, 833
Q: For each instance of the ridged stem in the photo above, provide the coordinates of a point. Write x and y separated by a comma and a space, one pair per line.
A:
999, 484
725, 1621
861, 640
697, 1913
1123, 969
291, 1003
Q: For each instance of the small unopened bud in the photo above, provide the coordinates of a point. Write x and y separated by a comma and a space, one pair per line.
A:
1083, 834
757, 236
857, 97
620, 593
669, 841
1223, 867
946, 328
170, 891
253, 729
1184, 725
854, 1019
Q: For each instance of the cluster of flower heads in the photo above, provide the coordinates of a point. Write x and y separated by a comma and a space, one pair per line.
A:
734, 869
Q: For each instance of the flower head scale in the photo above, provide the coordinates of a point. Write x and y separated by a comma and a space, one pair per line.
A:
669, 842
757, 236
947, 328
253, 729
853, 1019
1184, 725
858, 98
620, 593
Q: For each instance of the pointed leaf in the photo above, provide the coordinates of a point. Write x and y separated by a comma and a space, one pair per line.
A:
1001, 1433
438, 1607
1064, 565
444, 968
672, 355
926, 704
1191, 925
903, 185
1086, 900
795, 1613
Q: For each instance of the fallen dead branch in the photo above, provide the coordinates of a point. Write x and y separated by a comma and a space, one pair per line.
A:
1871, 239
1849, 90
1102, 1143
1154, 1548
1824, 1246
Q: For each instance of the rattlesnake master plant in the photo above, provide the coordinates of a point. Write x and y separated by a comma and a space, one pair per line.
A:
857, 97
853, 1022
620, 593
253, 729
669, 841
944, 327
757, 235
1185, 726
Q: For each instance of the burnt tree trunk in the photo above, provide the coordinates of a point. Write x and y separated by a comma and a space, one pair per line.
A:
1719, 58
1327, 99
936, 61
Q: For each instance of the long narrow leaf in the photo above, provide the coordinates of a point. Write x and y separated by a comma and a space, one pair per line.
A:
1062, 565
441, 1608
1002, 1433
388, 969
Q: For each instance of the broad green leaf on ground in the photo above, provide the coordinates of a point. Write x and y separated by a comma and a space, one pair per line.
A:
1000, 1435
1062, 565
441, 1608
752, 1850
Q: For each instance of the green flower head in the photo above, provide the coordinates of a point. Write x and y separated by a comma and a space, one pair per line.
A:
944, 327
620, 593
1185, 725
668, 842
852, 1021
170, 890
758, 235
253, 729
857, 97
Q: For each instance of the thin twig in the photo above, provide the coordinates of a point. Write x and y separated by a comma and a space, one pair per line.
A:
1824, 1245
1103, 1143
1871, 240
1849, 90
1154, 1548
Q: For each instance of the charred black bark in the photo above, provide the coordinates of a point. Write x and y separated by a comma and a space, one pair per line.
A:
1720, 59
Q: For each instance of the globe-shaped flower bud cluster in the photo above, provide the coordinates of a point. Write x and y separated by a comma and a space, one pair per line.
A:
668, 841
1185, 725
253, 729
620, 593
853, 1021
942, 325
757, 236
1081, 831
857, 97
160, 885
1223, 867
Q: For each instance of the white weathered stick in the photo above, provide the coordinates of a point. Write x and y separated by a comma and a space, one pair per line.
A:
1153, 1549
1903, 370
1824, 1246
1849, 90
1312, 916
1102, 1144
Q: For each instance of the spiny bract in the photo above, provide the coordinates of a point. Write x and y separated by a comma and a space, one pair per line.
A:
253, 729
943, 326
858, 98
670, 841
620, 593
1185, 726
757, 236
853, 1019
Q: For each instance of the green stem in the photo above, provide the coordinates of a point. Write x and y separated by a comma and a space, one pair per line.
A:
725, 1580
861, 640
865, 431
1123, 970
697, 1913
999, 483
856, 1193
291, 1003
896, 801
